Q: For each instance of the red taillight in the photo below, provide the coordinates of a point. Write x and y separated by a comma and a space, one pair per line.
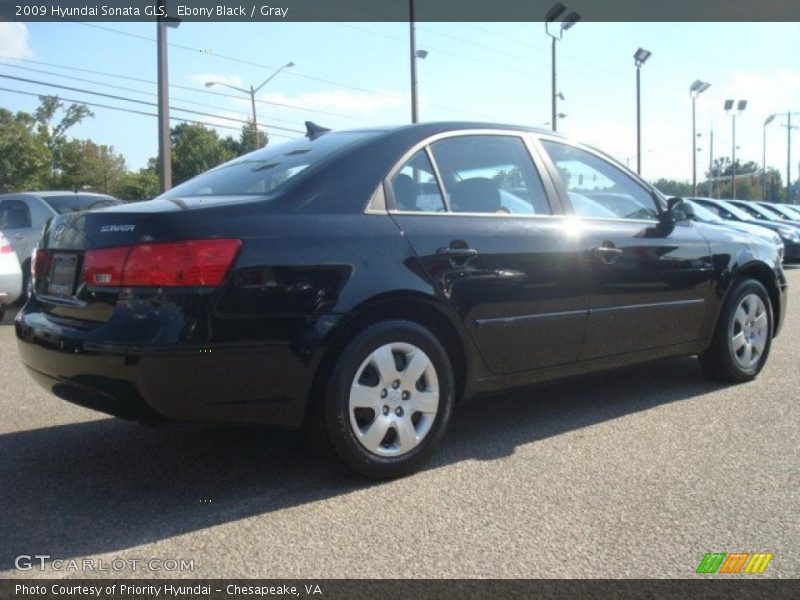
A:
174, 264
5, 247
38, 262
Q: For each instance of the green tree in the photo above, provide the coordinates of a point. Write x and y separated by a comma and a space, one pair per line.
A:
24, 159
749, 180
251, 138
671, 187
133, 187
195, 149
86, 165
53, 134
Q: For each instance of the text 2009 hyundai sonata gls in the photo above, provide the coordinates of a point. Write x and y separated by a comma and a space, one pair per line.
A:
362, 282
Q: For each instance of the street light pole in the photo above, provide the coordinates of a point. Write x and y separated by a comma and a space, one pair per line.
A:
252, 91
740, 106
768, 120
639, 57
697, 88
556, 11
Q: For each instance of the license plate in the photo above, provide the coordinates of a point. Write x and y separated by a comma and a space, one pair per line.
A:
62, 275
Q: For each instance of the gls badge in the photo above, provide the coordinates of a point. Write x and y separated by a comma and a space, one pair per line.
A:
117, 228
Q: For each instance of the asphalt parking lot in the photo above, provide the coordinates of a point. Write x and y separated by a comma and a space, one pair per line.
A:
637, 473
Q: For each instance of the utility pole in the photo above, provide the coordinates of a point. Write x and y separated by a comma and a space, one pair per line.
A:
164, 146
711, 164
413, 42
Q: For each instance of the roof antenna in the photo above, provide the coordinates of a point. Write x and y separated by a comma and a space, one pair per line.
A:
313, 131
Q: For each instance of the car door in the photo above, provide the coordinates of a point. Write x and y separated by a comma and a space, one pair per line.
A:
17, 227
648, 283
478, 215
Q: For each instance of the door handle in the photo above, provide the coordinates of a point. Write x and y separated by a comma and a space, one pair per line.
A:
457, 252
17, 236
607, 253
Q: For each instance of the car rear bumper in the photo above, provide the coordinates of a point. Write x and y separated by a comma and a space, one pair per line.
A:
255, 383
791, 252
10, 286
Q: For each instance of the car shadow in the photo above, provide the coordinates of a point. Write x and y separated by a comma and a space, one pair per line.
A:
93, 487
10, 313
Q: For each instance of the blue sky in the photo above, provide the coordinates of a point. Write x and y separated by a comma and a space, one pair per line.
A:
474, 71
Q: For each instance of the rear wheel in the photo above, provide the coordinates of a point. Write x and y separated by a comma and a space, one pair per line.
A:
743, 335
389, 399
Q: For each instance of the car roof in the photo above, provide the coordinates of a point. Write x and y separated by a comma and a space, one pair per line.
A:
434, 127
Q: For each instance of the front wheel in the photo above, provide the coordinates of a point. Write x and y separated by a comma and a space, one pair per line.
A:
743, 335
389, 399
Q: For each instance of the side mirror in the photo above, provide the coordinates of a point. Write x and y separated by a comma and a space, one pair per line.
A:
678, 210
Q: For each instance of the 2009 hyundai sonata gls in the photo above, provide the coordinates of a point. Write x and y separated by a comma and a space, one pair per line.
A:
362, 282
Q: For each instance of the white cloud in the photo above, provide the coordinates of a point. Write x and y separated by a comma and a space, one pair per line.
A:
14, 40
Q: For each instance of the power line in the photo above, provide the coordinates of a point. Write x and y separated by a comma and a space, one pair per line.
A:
244, 61
137, 112
111, 85
292, 73
189, 88
124, 99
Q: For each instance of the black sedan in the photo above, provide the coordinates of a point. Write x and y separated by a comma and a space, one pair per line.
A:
362, 283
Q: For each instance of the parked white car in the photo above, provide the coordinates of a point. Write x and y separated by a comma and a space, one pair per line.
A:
23, 216
10, 275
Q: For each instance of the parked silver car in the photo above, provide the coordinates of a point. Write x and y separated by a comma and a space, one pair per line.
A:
23, 216
10, 275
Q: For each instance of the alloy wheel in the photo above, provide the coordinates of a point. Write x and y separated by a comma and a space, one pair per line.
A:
749, 331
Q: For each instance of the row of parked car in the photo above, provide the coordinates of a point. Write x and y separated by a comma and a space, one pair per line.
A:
777, 222
22, 219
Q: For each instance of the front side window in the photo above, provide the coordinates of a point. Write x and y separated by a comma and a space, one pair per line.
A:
414, 187
14, 214
591, 181
491, 174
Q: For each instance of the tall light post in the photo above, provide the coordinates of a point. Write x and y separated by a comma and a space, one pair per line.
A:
697, 88
740, 106
164, 142
555, 29
640, 57
412, 40
767, 121
252, 91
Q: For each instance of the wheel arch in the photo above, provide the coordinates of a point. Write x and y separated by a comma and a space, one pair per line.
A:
413, 306
762, 273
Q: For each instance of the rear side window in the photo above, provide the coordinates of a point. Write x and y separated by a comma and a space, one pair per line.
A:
492, 174
262, 172
77, 202
414, 187
14, 214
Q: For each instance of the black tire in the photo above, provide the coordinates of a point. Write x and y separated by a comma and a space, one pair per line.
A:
26, 277
336, 402
719, 361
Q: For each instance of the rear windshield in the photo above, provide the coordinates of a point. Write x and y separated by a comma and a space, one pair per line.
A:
262, 172
77, 202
